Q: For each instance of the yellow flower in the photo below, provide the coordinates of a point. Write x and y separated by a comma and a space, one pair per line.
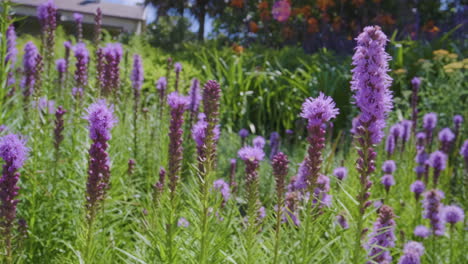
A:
440, 52
453, 56
399, 71
454, 65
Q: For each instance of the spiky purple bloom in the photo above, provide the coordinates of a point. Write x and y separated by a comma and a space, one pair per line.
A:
44, 105
11, 53
111, 73
61, 67
321, 196
446, 138
429, 124
289, 132
274, 144
340, 173
417, 187
47, 15
433, 211
137, 75
158, 187
387, 181
161, 87
178, 105
422, 231
281, 10
14, 153
420, 140
59, 126
243, 134
97, 27
396, 131
29, 69
389, 166
222, 186
211, 96
453, 214
407, 128
195, 98
412, 253
79, 26
177, 70
258, 142
416, 83
383, 237
341, 220
464, 152
457, 122
82, 61
371, 82
318, 111
101, 119
438, 161
251, 154
280, 171
390, 145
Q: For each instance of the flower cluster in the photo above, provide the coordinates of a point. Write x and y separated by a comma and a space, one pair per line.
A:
112, 53
81, 71
433, 211
29, 68
383, 236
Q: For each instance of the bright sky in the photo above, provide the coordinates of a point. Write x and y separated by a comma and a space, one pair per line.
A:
151, 15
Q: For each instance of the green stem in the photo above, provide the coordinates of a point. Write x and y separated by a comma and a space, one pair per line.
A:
451, 244
278, 227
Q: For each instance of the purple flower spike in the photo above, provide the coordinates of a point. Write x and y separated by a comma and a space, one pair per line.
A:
387, 181
251, 154
383, 237
429, 124
417, 188
137, 73
243, 133
389, 166
446, 138
78, 17
422, 231
211, 96
464, 152
453, 214
14, 153
319, 110
390, 145
195, 98
221, 186
433, 211
47, 15
407, 127
396, 131
29, 68
457, 122
438, 161
82, 61
258, 142
161, 86
112, 53
341, 220
177, 69
59, 126
412, 253
11, 53
340, 173
79, 27
274, 144
101, 120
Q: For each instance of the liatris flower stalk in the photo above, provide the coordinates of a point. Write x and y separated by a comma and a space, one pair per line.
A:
412, 253
101, 119
223, 187
61, 67
390, 145
452, 214
137, 82
464, 153
131, 167
396, 131
340, 173
243, 134
111, 74
258, 142
97, 27
29, 69
177, 70
251, 157
280, 171
159, 186
422, 231
195, 98
161, 87
383, 237
437, 160
14, 153
274, 144
58, 130
416, 83
322, 198
341, 220
79, 26
10, 59
47, 15
371, 83
68, 47
457, 122
178, 105
38, 75
406, 136
232, 175
211, 97
429, 123
100, 69
446, 138
81, 71
318, 111
417, 188
387, 180
433, 211
421, 157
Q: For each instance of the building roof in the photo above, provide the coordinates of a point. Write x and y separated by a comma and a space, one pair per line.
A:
135, 12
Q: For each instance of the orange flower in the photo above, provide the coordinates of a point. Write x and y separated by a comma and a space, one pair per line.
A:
384, 20
237, 48
325, 4
430, 27
253, 27
312, 25
262, 5
237, 3
265, 15
306, 11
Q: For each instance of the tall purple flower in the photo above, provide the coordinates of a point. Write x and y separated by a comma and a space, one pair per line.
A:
97, 27
61, 67
137, 81
396, 131
318, 111
453, 214
14, 153
433, 211
438, 161
371, 83
59, 126
340, 173
280, 171
159, 186
223, 187
232, 175
211, 97
101, 120
11, 53
81, 65
243, 134
429, 124
407, 127
446, 138
422, 231
258, 142
421, 157
457, 122
412, 253
383, 236
195, 98
178, 105
387, 180
417, 187
390, 145
112, 53
47, 15
416, 83
177, 70
464, 153
29, 68
68, 47
79, 26
274, 144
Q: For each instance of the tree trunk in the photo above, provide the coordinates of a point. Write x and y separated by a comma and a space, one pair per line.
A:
201, 22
